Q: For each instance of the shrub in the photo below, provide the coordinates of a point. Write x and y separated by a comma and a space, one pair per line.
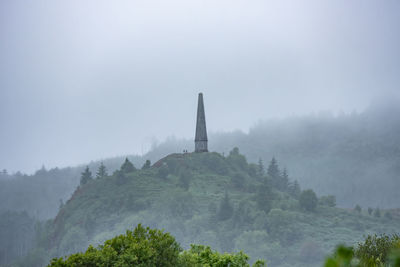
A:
308, 200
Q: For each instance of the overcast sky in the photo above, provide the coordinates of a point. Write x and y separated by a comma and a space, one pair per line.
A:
85, 80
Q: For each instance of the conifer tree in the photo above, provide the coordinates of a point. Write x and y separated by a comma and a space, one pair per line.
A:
146, 165
127, 166
274, 173
284, 183
273, 169
102, 171
86, 176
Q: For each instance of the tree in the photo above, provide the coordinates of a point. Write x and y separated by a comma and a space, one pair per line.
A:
375, 249
127, 166
86, 176
308, 200
273, 169
274, 174
284, 182
146, 165
151, 247
357, 208
199, 255
329, 201
102, 171
225, 211
142, 247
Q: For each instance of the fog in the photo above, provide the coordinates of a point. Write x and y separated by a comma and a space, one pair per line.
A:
85, 80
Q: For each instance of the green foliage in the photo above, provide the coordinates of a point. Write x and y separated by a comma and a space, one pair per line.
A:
342, 257
86, 176
237, 161
142, 247
264, 196
329, 201
101, 171
376, 248
146, 165
288, 236
150, 247
127, 166
238, 180
308, 200
204, 256
375, 251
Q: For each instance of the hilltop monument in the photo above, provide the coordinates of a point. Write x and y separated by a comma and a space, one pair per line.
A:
200, 140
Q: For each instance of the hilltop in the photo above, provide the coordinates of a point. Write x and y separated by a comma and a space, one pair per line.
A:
216, 200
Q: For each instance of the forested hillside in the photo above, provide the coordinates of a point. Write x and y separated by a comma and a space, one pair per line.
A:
355, 157
211, 199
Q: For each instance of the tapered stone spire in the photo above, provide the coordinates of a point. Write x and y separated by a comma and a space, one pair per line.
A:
200, 139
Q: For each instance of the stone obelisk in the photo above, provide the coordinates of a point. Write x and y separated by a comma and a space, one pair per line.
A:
200, 139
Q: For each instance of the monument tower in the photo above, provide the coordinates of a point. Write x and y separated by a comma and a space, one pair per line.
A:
200, 140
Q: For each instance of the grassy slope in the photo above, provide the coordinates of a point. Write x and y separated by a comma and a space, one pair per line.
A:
286, 235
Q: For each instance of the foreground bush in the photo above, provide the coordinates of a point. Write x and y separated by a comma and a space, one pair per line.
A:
145, 247
375, 251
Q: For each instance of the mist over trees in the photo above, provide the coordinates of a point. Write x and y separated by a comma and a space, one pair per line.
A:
350, 160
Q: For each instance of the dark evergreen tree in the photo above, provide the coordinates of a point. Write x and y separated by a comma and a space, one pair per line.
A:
102, 171
273, 169
86, 176
284, 182
225, 211
127, 167
146, 165
274, 174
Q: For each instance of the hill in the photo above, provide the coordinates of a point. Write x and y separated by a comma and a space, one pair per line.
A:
355, 157
216, 200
